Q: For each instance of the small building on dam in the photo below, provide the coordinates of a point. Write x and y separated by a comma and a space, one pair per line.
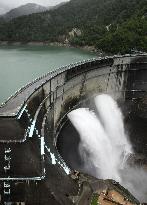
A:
36, 137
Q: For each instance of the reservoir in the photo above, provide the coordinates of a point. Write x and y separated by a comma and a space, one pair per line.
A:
21, 64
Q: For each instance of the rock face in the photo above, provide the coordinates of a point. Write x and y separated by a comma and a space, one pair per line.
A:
75, 32
103, 192
113, 197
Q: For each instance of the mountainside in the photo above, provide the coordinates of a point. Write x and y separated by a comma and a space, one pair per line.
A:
57, 6
115, 26
24, 10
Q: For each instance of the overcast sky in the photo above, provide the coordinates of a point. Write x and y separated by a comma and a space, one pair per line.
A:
6, 5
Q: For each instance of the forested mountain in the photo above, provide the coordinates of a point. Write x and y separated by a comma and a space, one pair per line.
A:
115, 26
24, 10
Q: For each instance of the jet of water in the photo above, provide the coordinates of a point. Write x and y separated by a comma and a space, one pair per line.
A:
103, 139
111, 118
94, 144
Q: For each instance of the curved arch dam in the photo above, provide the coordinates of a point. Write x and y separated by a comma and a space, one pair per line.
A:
39, 146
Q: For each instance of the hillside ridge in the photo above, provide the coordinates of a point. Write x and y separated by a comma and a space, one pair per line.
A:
113, 26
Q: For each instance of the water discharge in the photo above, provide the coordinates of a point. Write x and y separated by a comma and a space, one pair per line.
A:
104, 146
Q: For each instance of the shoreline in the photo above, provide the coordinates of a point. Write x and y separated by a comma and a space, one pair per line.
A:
91, 49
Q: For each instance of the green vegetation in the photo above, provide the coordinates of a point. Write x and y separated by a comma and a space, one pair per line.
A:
94, 199
113, 26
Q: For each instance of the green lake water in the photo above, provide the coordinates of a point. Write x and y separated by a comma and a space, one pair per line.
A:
21, 64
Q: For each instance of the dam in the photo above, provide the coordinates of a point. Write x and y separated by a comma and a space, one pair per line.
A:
35, 131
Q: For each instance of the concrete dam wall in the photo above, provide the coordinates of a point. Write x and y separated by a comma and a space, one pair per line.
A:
32, 120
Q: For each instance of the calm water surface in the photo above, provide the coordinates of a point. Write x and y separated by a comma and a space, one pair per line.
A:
21, 64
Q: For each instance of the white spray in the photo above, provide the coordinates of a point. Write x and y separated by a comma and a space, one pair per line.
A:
104, 146
111, 118
95, 144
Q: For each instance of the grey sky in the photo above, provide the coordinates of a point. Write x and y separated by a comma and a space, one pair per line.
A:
6, 5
